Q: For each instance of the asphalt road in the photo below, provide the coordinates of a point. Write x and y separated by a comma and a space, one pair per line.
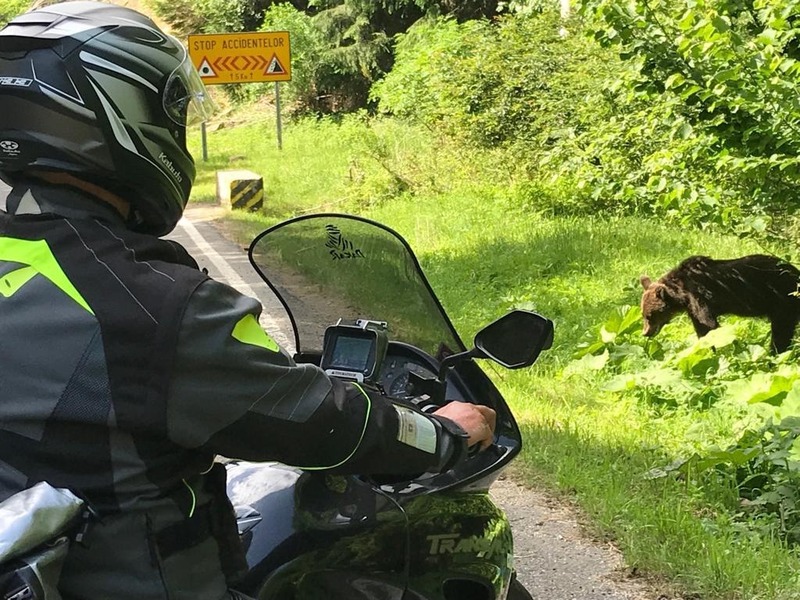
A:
227, 262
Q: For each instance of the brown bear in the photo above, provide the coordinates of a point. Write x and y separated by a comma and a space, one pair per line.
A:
751, 286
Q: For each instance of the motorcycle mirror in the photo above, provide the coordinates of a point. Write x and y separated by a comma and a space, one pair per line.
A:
516, 339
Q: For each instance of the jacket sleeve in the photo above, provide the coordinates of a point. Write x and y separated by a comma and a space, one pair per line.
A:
236, 393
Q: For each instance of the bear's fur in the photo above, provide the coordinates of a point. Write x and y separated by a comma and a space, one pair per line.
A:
750, 286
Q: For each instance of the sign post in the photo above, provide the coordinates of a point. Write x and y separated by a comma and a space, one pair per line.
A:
247, 57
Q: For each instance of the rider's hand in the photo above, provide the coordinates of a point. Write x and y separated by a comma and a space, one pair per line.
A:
478, 421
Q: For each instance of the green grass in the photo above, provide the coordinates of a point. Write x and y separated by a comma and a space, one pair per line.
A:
575, 270
597, 453
310, 173
484, 255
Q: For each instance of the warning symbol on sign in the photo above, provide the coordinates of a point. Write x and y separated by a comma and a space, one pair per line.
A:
275, 67
205, 69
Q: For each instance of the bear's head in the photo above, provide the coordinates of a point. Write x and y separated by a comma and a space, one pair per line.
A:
658, 306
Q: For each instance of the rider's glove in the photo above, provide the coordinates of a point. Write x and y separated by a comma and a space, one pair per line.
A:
452, 447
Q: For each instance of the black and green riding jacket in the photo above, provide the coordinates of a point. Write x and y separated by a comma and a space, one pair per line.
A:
124, 371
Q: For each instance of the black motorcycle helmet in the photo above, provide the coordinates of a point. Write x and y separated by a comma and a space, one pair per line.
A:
98, 91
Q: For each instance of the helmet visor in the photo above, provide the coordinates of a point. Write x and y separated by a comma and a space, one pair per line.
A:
186, 100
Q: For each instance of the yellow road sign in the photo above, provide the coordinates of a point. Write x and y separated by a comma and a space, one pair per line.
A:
245, 57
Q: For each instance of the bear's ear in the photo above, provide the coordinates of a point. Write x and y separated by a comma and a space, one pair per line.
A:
645, 281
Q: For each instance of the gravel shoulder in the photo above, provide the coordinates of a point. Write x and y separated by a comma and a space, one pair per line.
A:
555, 559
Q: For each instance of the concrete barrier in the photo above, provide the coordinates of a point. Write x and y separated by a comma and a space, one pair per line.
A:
240, 189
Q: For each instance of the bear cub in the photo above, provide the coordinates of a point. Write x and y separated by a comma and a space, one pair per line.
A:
751, 286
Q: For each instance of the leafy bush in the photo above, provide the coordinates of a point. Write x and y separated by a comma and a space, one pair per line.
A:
763, 469
425, 84
210, 16
517, 81
11, 8
762, 465
728, 72
518, 84
308, 47
720, 365
581, 128
617, 343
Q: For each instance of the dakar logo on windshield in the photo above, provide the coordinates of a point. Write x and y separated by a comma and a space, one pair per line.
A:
340, 247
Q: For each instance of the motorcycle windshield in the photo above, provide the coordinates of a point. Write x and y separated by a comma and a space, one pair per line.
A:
328, 267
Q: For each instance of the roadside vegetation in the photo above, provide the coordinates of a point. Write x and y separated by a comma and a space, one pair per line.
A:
542, 163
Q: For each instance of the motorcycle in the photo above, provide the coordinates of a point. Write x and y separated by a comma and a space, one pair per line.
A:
424, 536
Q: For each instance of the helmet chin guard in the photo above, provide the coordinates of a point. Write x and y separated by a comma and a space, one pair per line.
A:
99, 91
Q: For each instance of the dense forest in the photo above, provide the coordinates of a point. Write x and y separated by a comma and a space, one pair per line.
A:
688, 111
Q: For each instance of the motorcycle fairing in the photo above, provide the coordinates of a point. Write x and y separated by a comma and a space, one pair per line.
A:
321, 533
327, 266
433, 536
461, 540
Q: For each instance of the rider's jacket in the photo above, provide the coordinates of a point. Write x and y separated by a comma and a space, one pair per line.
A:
124, 371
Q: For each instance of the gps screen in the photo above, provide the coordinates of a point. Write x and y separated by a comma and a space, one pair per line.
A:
351, 353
